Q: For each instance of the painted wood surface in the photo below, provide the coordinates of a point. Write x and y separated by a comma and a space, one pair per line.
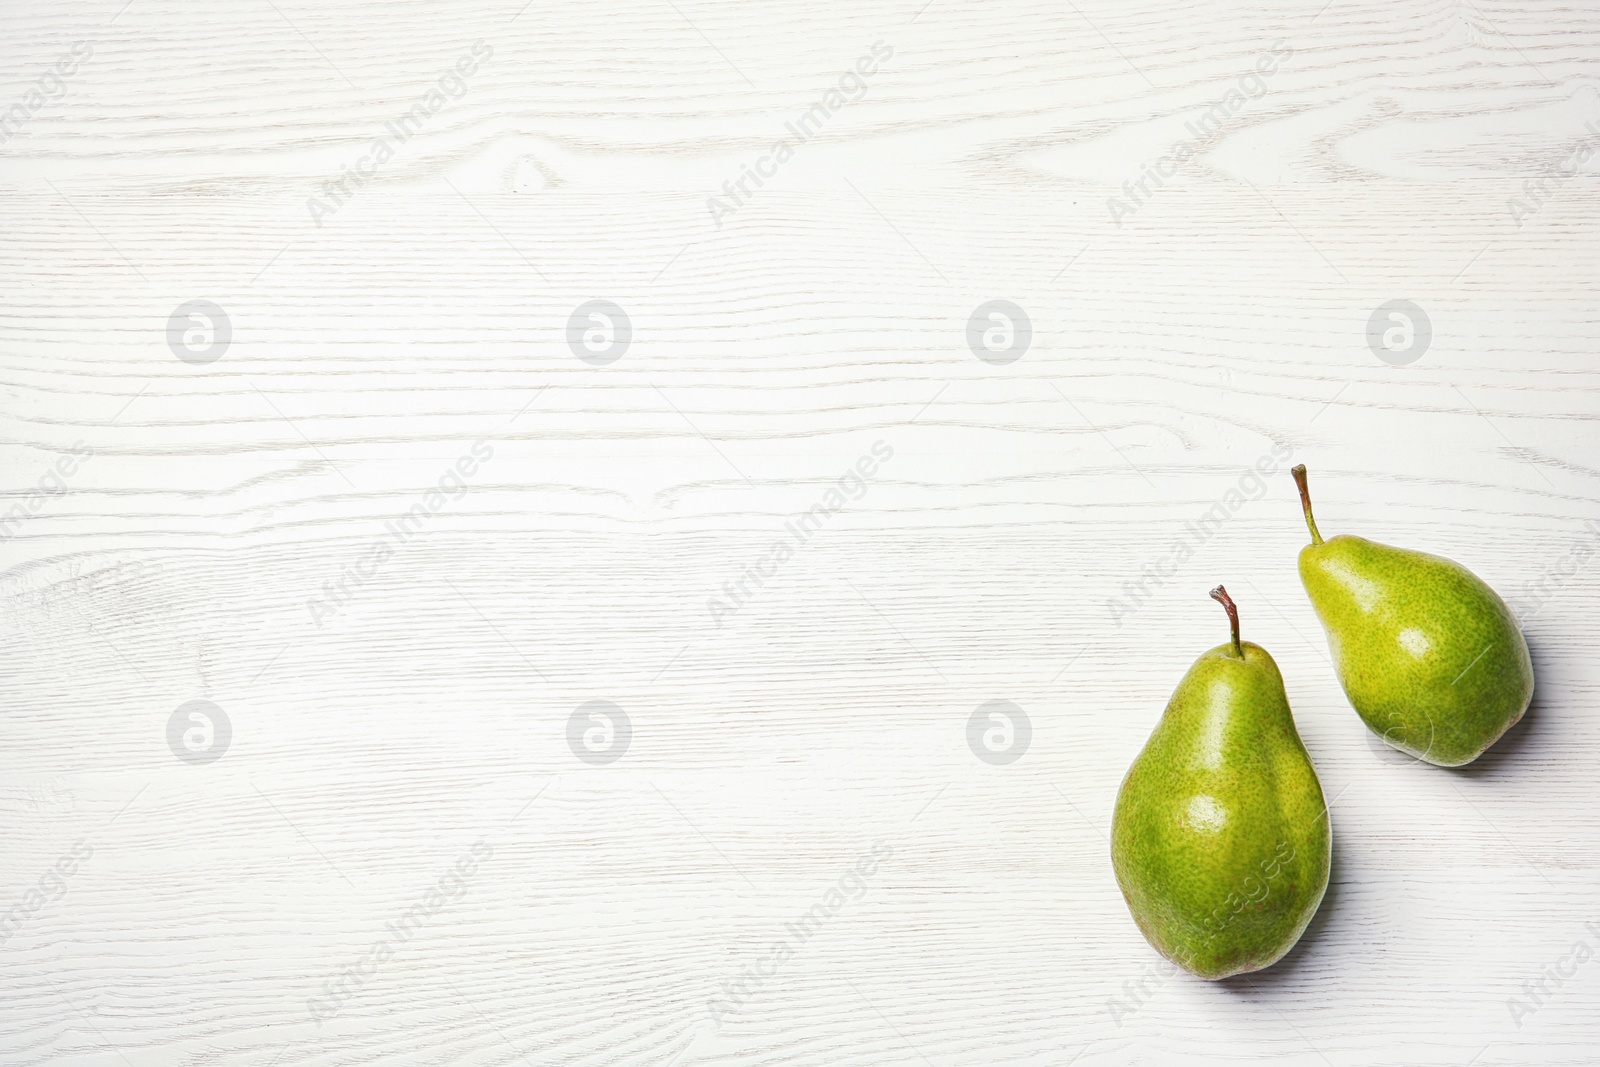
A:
807, 514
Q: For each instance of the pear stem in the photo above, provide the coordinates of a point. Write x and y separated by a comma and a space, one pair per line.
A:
1220, 595
1299, 473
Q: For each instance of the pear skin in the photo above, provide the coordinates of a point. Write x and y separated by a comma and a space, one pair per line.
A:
1428, 655
1220, 841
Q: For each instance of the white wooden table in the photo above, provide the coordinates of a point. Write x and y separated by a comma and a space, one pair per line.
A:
398, 834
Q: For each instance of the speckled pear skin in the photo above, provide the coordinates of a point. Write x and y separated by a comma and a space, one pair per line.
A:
1428, 655
1221, 841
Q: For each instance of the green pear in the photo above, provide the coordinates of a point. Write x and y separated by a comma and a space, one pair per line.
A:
1428, 655
1220, 840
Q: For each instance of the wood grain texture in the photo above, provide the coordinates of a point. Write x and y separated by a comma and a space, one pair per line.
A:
224, 531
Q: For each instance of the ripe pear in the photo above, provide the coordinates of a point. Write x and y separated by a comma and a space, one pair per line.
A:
1428, 655
1220, 841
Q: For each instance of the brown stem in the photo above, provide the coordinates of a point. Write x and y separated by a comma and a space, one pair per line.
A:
1299, 473
1220, 595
